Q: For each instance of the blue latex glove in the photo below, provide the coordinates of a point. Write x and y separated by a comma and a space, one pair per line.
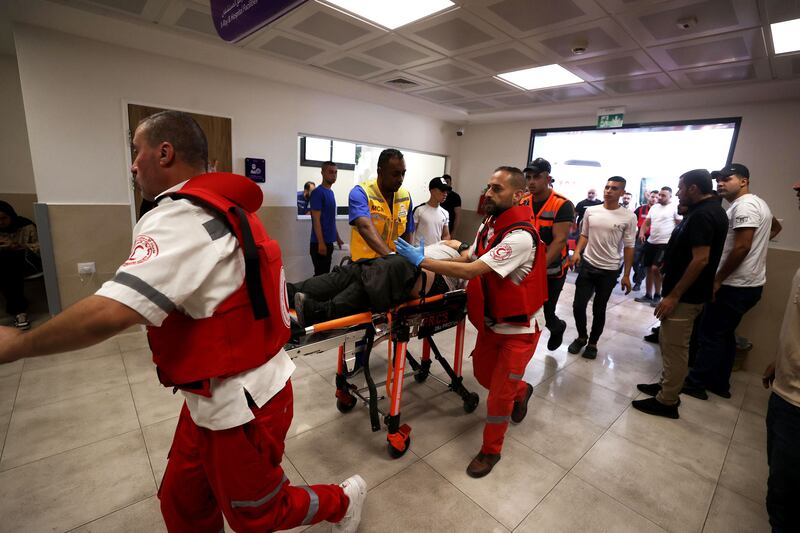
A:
413, 255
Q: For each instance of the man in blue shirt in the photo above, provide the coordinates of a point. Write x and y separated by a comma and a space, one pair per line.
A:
323, 220
303, 198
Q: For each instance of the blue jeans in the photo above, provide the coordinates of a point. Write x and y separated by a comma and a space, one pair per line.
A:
783, 457
717, 338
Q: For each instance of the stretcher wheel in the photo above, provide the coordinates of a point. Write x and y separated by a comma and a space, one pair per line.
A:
421, 376
345, 406
471, 402
394, 453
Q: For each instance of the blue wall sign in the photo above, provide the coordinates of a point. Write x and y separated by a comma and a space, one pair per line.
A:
236, 19
255, 169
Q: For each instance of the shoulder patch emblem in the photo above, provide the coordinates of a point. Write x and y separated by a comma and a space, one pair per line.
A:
144, 248
501, 252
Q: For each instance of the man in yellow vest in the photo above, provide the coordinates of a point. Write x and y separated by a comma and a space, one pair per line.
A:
380, 209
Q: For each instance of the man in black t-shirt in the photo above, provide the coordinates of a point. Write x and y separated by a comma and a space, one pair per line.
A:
452, 204
690, 263
590, 200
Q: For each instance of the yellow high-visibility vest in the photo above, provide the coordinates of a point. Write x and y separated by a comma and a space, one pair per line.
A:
390, 223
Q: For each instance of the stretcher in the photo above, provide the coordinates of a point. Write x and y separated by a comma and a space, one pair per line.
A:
416, 319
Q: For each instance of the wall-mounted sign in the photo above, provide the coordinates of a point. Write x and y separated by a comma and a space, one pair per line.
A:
255, 169
610, 117
236, 19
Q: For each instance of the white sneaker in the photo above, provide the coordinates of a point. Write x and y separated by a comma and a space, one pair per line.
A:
21, 321
355, 488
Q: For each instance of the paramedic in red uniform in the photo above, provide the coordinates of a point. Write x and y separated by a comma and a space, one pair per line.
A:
507, 288
215, 306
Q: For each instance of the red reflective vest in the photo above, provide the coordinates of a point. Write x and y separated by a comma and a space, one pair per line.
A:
249, 327
498, 298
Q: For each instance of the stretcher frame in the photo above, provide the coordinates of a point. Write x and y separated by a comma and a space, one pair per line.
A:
419, 318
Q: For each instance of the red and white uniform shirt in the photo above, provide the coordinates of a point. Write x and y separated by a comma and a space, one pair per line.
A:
512, 257
185, 258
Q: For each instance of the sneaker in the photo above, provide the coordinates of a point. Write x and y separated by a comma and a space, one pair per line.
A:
651, 406
21, 321
646, 299
576, 345
637, 287
653, 337
556, 337
482, 464
590, 352
521, 406
299, 301
656, 300
650, 389
355, 488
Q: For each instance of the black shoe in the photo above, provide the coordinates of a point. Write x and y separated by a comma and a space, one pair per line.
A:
637, 287
482, 464
590, 352
721, 393
655, 329
694, 392
653, 337
521, 406
576, 345
556, 336
651, 406
299, 302
650, 389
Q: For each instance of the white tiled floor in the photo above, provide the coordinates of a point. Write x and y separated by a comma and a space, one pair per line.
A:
85, 434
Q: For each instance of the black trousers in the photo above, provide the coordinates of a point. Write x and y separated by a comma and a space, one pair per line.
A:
13, 269
332, 295
783, 457
554, 286
322, 263
600, 283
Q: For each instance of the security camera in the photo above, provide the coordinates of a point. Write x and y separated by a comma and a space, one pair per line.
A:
460, 131
686, 23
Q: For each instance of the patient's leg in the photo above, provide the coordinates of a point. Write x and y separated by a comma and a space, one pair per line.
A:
326, 286
418, 284
334, 295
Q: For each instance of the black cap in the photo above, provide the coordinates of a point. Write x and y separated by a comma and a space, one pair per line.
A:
735, 168
537, 166
439, 183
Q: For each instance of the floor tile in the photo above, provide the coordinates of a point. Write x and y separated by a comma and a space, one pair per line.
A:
559, 435
731, 513
619, 378
717, 416
314, 403
583, 398
756, 399
155, 402
574, 505
745, 472
334, 451
129, 342
9, 386
68, 380
684, 443
419, 499
70, 489
516, 484
46, 430
751, 430
141, 517
158, 439
9, 369
139, 366
662, 491
4, 421
107, 347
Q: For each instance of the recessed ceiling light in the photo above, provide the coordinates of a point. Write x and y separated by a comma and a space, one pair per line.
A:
540, 77
786, 36
392, 13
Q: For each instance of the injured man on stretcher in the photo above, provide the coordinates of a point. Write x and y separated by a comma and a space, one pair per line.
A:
374, 285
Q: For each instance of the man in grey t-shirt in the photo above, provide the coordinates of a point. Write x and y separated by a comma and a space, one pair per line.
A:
608, 234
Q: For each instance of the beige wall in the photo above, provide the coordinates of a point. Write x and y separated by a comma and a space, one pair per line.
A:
21, 202
16, 172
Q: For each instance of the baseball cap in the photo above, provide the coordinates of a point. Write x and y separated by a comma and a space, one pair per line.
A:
439, 183
537, 166
735, 168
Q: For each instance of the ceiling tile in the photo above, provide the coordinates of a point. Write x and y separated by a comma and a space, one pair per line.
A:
454, 32
135, 7
331, 29
487, 87
726, 73
401, 81
598, 37
474, 105
440, 94
570, 92
396, 52
521, 18
353, 67
194, 20
319, 25
652, 82
291, 48
781, 10
519, 99
658, 24
602, 67
730, 47
786, 66
502, 58
618, 6
446, 71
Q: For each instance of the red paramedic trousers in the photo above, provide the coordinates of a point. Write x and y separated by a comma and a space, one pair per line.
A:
499, 362
237, 472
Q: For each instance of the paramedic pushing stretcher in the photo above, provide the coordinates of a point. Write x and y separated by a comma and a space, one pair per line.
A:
507, 288
208, 282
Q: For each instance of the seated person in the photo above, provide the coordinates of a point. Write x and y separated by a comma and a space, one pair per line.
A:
19, 258
374, 285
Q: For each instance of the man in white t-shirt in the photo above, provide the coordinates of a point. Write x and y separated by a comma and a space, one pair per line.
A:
660, 222
608, 235
431, 219
738, 283
508, 285
185, 268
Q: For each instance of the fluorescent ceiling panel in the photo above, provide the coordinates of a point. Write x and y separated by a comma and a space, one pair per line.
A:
392, 14
786, 36
540, 77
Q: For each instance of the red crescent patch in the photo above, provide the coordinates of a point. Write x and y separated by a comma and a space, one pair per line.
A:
500, 252
144, 248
